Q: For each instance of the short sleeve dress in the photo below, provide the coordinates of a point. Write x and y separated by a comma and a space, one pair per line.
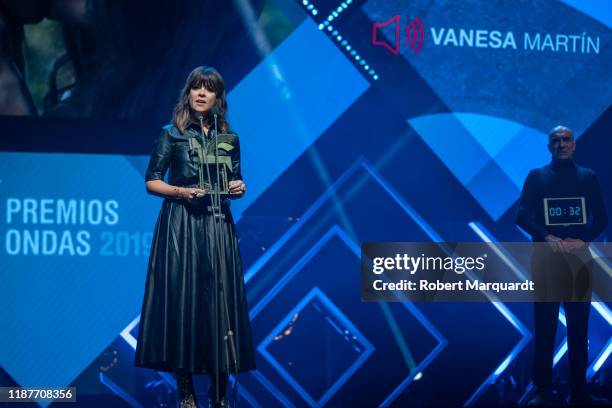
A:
178, 320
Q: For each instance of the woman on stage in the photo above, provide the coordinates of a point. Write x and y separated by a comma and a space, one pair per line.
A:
194, 316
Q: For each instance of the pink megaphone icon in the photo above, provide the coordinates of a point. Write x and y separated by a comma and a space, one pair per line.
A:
415, 35
395, 48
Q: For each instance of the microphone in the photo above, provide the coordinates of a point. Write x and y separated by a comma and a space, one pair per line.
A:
200, 118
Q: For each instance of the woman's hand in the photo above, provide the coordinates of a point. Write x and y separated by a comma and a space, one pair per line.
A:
191, 194
237, 188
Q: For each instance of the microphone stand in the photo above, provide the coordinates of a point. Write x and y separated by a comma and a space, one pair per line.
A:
220, 266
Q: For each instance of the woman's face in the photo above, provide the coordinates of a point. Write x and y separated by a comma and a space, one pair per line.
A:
201, 99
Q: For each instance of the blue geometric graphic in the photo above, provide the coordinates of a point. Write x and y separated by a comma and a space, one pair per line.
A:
335, 231
346, 331
539, 87
61, 309
490, 156
599, 10
289, 101
525, 335
503, 309
561, 349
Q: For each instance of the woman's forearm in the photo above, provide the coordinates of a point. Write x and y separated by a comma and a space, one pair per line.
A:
162, 189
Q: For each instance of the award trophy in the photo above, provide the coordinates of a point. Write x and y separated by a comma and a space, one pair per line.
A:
215, 169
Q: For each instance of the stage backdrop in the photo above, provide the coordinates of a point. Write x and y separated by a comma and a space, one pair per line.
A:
359, 121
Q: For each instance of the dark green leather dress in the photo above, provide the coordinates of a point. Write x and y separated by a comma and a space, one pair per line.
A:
178, 319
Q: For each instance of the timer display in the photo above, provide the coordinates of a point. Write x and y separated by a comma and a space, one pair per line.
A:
565, 211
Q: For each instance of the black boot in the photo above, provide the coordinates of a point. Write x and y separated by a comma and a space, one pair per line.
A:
221, 404
185, 392
212, 389
544, 397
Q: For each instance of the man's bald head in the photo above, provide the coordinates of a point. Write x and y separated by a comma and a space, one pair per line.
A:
561, 143
560, 130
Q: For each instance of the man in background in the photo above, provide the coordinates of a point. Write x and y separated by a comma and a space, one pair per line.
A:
562, 204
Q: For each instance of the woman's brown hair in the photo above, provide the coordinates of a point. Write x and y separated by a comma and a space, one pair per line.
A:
212, 80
